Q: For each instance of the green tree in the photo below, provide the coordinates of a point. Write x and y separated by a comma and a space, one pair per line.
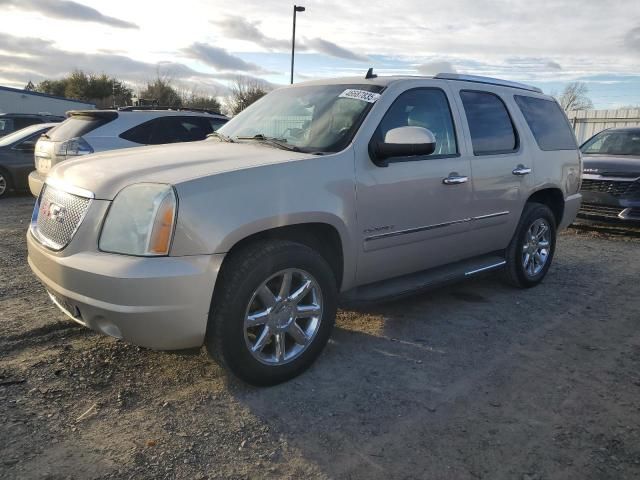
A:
162, 92
101, 89
52, 87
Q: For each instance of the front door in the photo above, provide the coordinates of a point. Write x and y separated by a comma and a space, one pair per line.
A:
414, 213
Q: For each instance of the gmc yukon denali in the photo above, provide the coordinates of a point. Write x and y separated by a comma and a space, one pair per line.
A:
351, 189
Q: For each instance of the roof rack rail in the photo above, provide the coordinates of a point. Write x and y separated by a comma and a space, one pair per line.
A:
487, 80
177, 109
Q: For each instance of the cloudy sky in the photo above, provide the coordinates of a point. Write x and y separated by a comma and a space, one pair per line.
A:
206, 43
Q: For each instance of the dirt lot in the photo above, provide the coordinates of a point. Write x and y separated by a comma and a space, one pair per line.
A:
476, 380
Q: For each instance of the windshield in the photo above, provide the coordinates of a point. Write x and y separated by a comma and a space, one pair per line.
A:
20, 134
614, 142
315, 119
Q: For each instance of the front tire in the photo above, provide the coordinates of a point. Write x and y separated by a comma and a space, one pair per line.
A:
530, 253
272, 312
5, 183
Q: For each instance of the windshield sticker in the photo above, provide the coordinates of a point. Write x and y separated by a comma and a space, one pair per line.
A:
363, 95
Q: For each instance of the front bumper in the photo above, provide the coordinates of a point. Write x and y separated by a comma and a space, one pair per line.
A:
606, 206
36, 182
160, 303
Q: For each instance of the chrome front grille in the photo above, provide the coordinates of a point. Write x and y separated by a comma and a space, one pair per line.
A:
57, 216
612, 187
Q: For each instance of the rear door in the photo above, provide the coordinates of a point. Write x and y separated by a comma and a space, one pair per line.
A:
409, 219
500, 164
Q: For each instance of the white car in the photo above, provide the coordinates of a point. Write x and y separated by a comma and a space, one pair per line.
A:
89, 131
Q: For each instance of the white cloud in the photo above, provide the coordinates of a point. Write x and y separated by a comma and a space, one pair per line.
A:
219, 58
67, 10
433, 68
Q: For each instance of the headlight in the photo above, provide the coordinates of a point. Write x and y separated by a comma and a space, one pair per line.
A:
140, 220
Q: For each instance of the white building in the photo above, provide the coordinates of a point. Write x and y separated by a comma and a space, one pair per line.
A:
14, 100
587, 123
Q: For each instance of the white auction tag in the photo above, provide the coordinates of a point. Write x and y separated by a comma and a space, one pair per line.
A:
360, 95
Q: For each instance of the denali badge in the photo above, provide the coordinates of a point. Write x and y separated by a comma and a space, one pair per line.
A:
589, 170
53, 211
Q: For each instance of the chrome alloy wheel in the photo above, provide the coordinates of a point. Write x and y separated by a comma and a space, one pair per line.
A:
279, 326
3, 184
537, 247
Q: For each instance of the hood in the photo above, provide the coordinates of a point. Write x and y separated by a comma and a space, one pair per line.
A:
106, 173
611, 165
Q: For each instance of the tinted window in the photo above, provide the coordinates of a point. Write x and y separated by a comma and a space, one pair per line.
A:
76, 126
171, 129
547, 123
6, 126
197, 128
140, 133
489, 123
22, 122
614, 142
216, 123
427, 108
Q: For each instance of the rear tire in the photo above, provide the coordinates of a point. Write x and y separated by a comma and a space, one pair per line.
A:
266, 336
530, 253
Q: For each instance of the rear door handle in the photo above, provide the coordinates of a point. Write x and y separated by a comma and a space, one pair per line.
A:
521, 170
455, 179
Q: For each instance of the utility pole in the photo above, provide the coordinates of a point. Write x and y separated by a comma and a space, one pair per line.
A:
296, 9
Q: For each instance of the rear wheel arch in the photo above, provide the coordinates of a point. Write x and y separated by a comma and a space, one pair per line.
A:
552, 198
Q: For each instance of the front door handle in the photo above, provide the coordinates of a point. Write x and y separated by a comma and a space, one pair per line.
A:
455, 179
521, 170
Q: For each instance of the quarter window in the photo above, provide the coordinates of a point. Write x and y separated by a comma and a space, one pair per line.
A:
422, 107
490, 126
547, 123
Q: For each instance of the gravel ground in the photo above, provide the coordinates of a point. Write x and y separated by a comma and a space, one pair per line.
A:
472, 381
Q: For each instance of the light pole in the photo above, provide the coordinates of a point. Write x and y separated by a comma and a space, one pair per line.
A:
296, 9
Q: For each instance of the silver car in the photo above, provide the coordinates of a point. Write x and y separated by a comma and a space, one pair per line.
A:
354, 189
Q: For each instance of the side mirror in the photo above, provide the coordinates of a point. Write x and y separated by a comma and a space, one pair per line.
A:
403, 142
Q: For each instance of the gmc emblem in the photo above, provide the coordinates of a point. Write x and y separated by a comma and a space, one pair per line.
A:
53, 211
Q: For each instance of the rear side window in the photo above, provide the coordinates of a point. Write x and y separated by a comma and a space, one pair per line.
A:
77, 126
491, 128
216, 123
547, 123
140, 133
6, 126
22, 122
172, 129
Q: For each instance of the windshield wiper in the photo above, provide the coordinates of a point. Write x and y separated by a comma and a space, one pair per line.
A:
222, 137
276, 142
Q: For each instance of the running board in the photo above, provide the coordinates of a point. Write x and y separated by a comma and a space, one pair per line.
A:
424, 280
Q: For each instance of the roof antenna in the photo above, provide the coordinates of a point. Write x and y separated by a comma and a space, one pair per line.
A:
370, 74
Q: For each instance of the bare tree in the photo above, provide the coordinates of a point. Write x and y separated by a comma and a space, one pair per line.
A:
244, 92
194, 98
574, 97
